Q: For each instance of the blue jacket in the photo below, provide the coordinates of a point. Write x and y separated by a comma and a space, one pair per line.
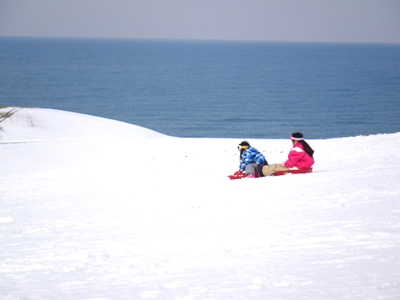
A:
249, 156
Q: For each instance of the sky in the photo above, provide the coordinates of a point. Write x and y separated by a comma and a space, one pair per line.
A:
370, 21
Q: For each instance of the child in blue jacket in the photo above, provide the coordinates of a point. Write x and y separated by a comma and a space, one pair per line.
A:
251, 160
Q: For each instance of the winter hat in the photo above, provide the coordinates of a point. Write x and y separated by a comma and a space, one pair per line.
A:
244, 145
297, 136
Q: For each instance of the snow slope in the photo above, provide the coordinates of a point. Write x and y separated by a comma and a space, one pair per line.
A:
97, 209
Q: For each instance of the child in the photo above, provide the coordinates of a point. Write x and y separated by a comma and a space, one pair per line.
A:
300, 157
251, 160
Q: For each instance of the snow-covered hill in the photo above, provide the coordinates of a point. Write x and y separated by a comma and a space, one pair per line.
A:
97, 209
33, 124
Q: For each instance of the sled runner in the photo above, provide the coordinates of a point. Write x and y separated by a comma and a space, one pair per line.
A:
240, 175
301, 171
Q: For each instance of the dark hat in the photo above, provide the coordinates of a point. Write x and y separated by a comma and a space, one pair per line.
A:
297, 136
243, 145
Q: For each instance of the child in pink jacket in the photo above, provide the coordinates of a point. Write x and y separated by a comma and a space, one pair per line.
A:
300, 157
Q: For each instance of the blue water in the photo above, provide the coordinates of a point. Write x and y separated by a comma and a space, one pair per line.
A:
210, 89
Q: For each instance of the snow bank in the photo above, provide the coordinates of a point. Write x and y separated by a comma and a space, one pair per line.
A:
34, 124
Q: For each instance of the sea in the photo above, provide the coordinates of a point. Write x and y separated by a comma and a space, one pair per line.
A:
210, 89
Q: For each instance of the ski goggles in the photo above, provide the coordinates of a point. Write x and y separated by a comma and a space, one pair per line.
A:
242, 147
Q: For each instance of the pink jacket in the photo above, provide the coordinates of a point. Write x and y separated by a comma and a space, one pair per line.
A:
298, 158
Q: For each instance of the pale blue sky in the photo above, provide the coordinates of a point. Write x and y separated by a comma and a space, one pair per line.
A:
267, 20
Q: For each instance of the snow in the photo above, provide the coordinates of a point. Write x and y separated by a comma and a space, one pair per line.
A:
98, 209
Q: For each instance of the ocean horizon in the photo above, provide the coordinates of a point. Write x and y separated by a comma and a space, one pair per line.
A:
210, 89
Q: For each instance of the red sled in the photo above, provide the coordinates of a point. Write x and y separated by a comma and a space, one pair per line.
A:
237, 175
240, 175
301, 171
